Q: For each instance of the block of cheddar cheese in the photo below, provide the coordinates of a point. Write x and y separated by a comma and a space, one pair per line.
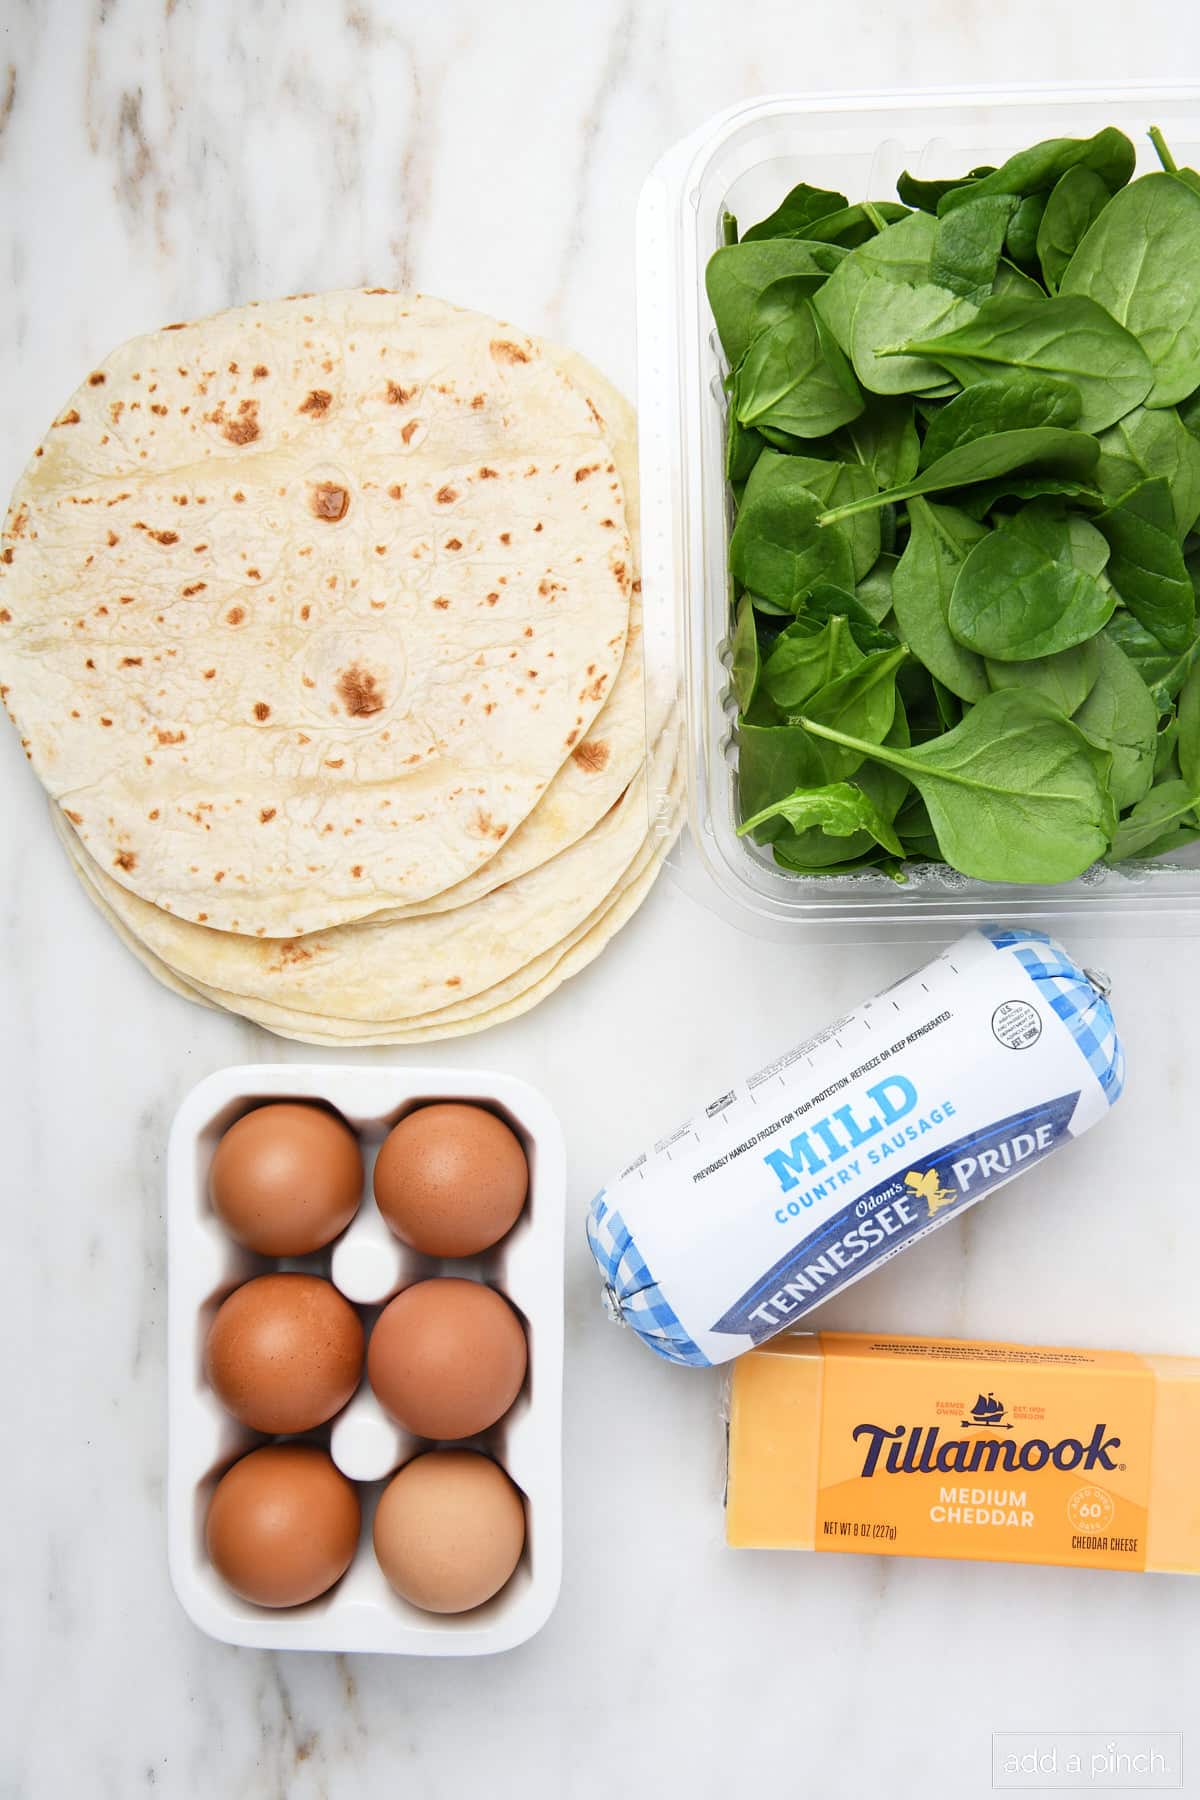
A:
935, 1447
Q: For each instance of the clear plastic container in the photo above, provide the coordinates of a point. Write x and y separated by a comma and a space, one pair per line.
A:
744, 161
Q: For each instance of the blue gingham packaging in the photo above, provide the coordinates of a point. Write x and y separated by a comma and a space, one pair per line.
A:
856, 1142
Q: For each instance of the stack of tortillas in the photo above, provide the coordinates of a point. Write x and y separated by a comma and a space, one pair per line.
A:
320, 621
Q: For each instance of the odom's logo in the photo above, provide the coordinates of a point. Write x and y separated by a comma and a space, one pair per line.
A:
921, 1450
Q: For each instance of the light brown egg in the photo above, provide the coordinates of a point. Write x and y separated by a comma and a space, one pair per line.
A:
449, 1530
285, 1352
451, 1179
282, 1525
447, 1358
286, 1178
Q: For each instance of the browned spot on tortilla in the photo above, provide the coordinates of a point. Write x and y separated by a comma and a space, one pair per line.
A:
97, 379
159, 410
266, 815
360, 694
396, 491
197, 587
68, 418
503, 351
201, 918
7, 554
292, 952
570, 739
5, 616
131, 662
399, 396
170, 737
107, 723
253, 575
318, 402
328, 501
454, 543
588, 469
446, 496
454, 981
260, 371
477, 402
181, 326
75, 818
235, 615
441, 603
356, 871
595, 689
609, 524
89, 664
261, 710
243, 429
379, 290
220, 875
486, 826
125, 859
116, 408
486, 474
335, 762
305, 610
406, 431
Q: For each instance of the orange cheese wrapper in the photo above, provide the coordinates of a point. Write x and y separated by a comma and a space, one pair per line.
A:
932, 1447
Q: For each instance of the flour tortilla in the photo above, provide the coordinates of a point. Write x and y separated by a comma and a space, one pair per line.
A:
305, 605
345, 1035
635, 714
375, 971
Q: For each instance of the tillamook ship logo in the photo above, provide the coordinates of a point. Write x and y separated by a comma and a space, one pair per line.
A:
921, 1450
987, 1410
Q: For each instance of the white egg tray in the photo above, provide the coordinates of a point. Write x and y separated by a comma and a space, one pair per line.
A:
369, 1265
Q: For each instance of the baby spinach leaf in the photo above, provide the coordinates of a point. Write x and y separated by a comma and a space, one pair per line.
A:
777, 549
1169, 804
838, 810
835, 484
799, 209
888, 312
744, 666
1075, 203
874, 591
1066, 678
981, 459
856, 224
794, 376
1019, 596
743, 448
1163, 671
1067, 535
829, 602
1152, 442
899, 254
884, 439
1011, 280
938, 544
801, 662
1188, 739
861, 703
967, 245
737, 274
773, 760
1021, 238
1141, 261
1016, 793
1166, 761
1000, 404
979, 501
1109, 154
1147, 566
926, 194
1069, 336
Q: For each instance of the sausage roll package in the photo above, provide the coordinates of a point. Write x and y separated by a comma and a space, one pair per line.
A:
846, 1149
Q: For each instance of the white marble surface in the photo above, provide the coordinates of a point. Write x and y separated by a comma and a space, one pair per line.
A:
160, 159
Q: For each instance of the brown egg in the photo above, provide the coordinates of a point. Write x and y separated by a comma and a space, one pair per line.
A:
286, 1178
285, 1352
282, 1525
451, 1179
449, 1530
447, 1358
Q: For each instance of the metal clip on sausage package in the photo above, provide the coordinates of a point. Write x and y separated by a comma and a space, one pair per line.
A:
856, 1143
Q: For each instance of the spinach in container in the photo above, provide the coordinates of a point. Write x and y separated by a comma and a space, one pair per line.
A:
964, 448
